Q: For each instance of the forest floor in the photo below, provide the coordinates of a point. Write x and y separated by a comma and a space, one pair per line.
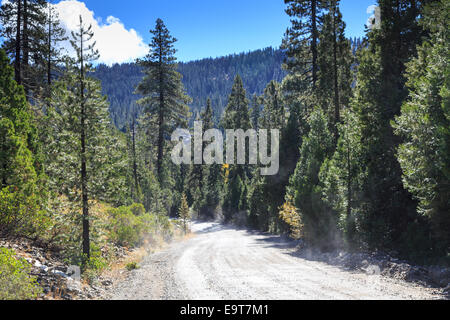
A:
224, 262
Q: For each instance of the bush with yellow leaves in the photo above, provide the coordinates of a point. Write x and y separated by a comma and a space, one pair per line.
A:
290, 215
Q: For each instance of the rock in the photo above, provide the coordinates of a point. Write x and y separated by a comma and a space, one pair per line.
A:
107, 283
59, 273
447, 289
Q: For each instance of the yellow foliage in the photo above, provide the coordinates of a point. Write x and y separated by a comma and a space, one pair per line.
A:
226, 172
289, 214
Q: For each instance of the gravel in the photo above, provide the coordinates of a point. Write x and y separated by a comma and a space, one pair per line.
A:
223, 262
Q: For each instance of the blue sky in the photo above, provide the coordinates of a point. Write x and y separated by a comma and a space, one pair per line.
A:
204, 28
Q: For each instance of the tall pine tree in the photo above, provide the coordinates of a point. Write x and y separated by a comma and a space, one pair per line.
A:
164, 98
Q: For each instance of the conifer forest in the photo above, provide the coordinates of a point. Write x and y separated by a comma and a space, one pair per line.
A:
87, 174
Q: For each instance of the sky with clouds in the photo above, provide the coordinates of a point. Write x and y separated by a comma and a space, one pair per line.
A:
204, 28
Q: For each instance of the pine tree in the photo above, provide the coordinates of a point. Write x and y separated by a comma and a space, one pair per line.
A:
335, 61
23, 24
387, 209
301, 45
236, 116
341, 178
266, 192
256, 112
133, 158
20, 186
81, 151
305, 186
424, 124
273, 114
184, 213
164, 98
54, 56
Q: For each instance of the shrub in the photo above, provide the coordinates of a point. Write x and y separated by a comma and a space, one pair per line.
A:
129, 225
21, 214
95, 265
290, 216
15, 281
132, 266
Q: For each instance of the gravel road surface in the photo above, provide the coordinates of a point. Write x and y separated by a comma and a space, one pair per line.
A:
222, 262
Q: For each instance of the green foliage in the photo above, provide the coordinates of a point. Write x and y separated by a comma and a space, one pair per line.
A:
424, 124
164, 97
305, 185
236, 114
385, 207
341, 183
301, 45
23, 29
266, 193
21, 189
15, 281
130, 225
132, 266
207, 78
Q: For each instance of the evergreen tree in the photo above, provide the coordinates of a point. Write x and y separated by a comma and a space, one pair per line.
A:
21, 192
54, 35
386, 207
341, 178
334, 61
266, 192
305, 187
301, 45
424, 124
82, 148
164, 99
236, 116
184, 213
256, 111
23, 24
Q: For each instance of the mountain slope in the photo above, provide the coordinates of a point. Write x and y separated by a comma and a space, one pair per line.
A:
206, 78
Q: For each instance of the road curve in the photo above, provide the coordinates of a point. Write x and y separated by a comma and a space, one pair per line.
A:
222, 262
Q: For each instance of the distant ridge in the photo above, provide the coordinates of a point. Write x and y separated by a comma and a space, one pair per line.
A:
205, 78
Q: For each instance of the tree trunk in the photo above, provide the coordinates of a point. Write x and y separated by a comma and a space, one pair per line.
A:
17, 61
84, 191
49, 43
337, 111
161, 116
133, 147
26, 49
314, 39
160, 138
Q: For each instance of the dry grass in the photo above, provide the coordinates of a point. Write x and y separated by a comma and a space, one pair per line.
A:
153, 244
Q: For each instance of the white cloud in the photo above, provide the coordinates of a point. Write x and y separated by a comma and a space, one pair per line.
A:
115, 43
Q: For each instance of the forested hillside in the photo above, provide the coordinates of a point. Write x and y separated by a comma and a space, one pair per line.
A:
207, 78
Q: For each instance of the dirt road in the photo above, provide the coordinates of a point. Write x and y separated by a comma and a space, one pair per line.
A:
221, 262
